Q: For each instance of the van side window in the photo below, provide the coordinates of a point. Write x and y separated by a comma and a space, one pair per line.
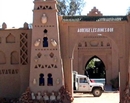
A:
83, 80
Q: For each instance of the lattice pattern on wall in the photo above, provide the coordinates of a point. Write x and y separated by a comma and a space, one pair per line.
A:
23, 49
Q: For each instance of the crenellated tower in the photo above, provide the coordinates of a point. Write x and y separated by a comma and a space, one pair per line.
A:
46, 72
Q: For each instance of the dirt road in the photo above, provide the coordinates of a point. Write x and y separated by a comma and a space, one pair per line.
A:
104, 98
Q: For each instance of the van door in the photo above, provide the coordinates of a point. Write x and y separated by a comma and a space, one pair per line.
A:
83, 84
75, 85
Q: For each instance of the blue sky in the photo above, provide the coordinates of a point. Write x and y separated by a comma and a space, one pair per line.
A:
15, 12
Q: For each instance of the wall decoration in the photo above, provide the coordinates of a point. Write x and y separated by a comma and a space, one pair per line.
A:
14, 58
42, 66
9, 71
57, 81
34, 81
37, 42
49, 66
53, 42
46, 65
55, 59
51, 55
94, 43
39, 55
36, 66
33, 96
10, 38
23, 49
45, 31
55, 66
44, 18
44, 7
79, 45
52, 65
2, 58
39, 66
36, 59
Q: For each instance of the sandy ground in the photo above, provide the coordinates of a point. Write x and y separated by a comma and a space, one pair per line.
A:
112, 97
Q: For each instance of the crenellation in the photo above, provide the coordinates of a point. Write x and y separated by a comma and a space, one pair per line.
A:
4, 26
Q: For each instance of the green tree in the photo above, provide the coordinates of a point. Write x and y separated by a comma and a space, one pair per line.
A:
70, 7
91, 64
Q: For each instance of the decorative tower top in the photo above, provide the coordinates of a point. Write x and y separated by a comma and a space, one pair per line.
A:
4, 26
45, 5
94, 12
25, 25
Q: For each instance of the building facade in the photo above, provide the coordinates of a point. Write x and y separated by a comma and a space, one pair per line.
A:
43, 58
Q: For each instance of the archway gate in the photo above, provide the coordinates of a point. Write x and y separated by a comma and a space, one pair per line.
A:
74, 32
96, 46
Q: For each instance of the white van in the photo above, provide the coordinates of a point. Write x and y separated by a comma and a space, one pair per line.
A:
82, 83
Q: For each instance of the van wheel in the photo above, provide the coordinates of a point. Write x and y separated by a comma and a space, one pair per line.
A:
97, 92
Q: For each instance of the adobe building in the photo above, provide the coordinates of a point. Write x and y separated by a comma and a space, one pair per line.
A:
43, 58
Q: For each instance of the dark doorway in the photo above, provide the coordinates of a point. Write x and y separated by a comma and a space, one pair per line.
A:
95, 68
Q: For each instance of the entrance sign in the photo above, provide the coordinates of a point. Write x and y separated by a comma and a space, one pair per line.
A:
92, 30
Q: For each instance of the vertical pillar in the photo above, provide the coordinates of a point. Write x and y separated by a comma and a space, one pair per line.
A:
123, 78
68, 74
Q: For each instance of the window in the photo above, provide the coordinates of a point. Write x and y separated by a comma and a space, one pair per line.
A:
41, 80
83, 80
50, 80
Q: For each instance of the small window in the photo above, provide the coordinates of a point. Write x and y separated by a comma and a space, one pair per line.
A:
45, 42
83, 80
50, 80
45, 31
41, 80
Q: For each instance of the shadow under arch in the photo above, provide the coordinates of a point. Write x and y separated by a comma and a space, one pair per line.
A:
95, 68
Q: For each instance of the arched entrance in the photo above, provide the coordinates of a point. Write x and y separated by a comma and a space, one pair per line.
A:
95, 68
102, 59
105, 54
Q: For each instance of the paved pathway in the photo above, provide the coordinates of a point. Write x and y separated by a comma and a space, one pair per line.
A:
110, 97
